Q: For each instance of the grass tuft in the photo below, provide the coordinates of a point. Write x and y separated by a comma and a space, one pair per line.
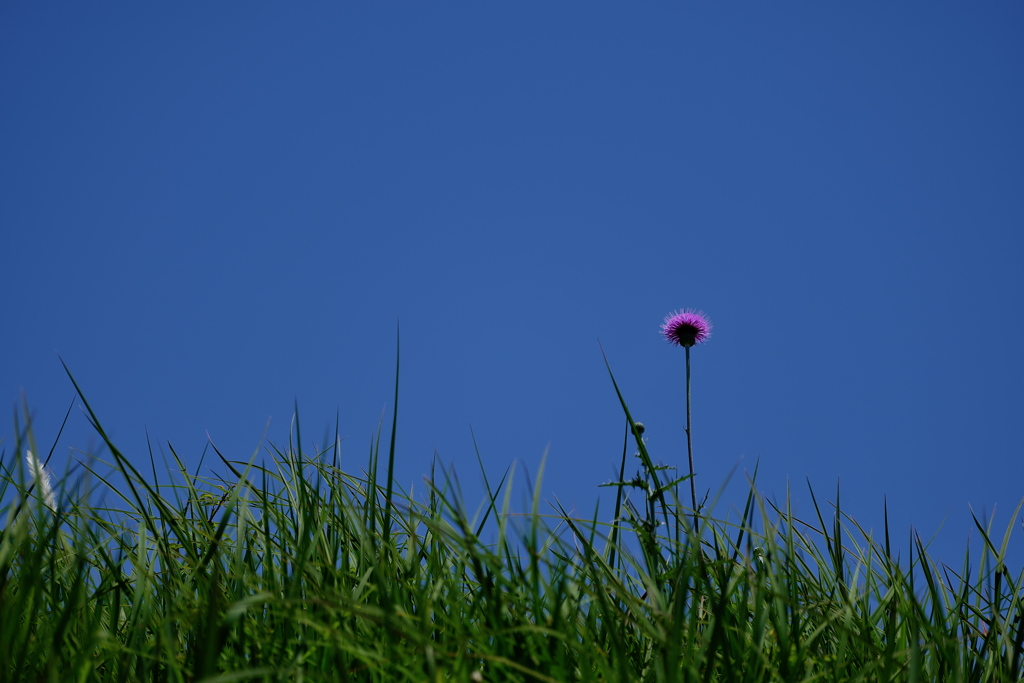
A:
294, 569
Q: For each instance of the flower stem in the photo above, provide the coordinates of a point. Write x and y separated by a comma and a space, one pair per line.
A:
689, 440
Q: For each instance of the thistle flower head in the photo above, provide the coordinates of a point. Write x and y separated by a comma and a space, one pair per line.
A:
686, 327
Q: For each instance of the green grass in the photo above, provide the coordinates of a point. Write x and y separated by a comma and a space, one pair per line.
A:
295, 570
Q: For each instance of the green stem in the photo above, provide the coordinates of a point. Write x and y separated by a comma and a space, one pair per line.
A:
689, 440
614, 537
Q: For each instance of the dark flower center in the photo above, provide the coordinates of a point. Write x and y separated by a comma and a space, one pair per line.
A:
687, 334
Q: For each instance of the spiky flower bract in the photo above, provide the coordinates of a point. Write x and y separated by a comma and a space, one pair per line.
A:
686, 327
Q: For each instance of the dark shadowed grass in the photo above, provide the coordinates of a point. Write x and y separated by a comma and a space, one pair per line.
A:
290, 568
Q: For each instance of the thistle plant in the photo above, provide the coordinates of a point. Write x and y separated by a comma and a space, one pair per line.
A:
686, 328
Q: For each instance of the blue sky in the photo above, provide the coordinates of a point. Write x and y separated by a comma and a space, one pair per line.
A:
211, 211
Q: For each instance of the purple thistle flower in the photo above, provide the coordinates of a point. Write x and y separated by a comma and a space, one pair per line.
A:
686, 327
